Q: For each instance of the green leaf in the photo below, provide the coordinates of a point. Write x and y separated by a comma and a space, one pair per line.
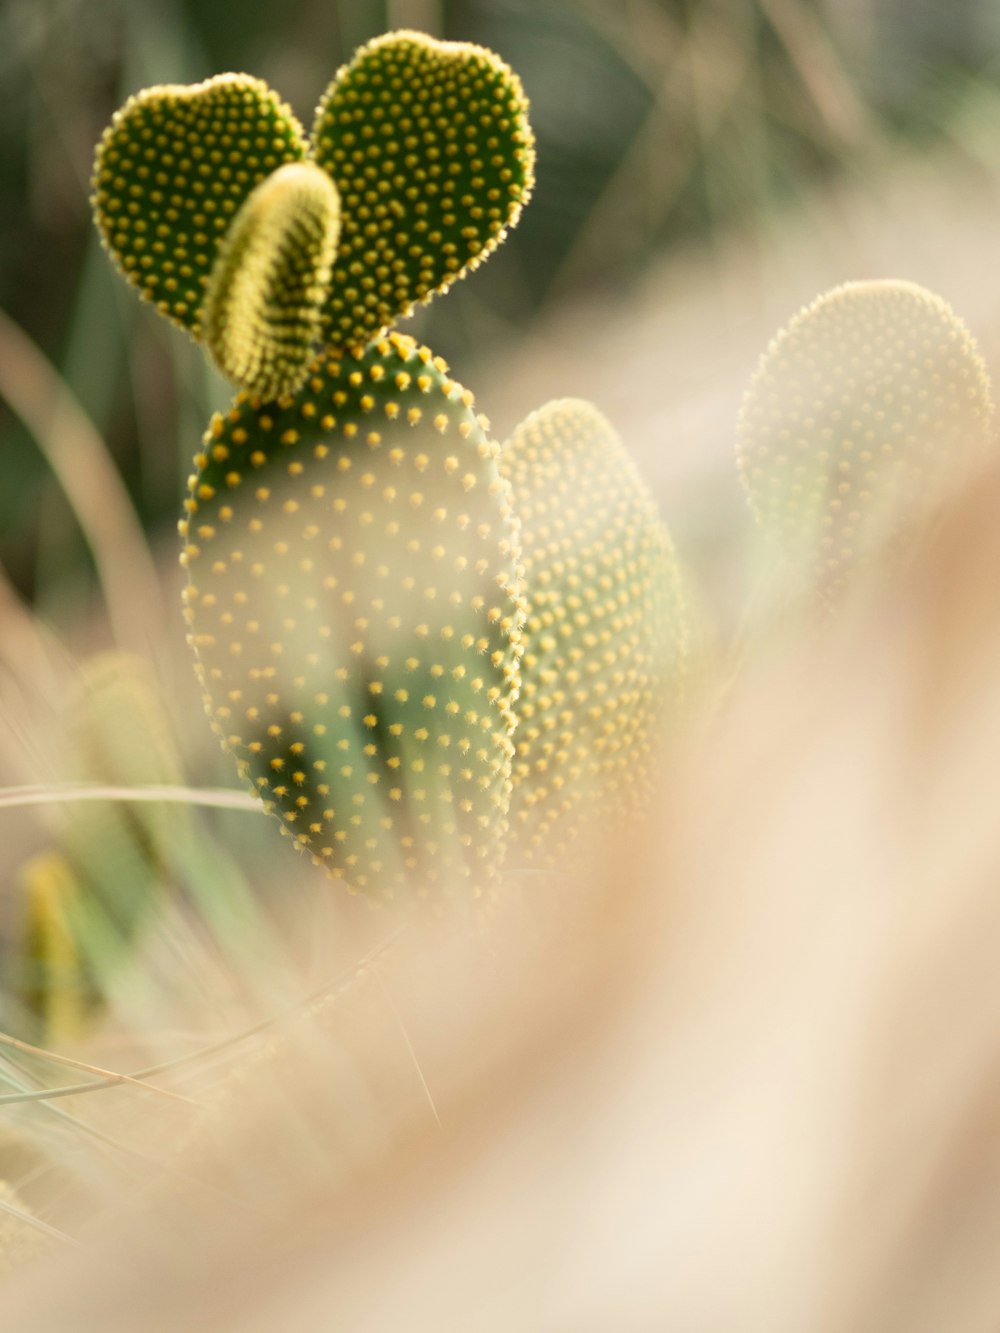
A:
605, 638
355, 609
429, 145
172, 170
261, 314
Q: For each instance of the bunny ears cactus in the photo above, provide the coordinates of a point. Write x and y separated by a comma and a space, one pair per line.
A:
421, 158
423, 649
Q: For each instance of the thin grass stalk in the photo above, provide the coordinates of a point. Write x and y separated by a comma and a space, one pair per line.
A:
80, 461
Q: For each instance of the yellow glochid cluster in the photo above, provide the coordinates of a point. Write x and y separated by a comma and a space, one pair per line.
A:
354, 604
261, 314
171, 171
429, 144
605, 638
865, 412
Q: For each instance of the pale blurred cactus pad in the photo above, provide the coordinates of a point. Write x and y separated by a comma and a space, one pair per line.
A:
866, 412
354, 603
172, 170
261, 313
605, 639
429, 145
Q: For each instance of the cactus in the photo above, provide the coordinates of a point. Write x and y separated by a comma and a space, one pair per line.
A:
356, 598
429, 145
355, 608
172, 171
427, 142
863, 414
605, 638
261, 314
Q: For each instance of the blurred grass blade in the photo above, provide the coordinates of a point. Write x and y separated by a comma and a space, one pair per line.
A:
26, 1048
219, 798
80, 461
26, 1219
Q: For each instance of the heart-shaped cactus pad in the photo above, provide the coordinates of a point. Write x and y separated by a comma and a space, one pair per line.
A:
172, 170
429, 144
606, 636
354, 602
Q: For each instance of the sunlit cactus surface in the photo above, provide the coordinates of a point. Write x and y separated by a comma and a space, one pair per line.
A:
427, 142
261, 313
430, 147
355, 604
171, 172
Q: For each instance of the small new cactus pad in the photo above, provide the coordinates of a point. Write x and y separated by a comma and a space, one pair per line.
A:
261, 313
605, 638
429, 145
354, 605
172, 170
864, 413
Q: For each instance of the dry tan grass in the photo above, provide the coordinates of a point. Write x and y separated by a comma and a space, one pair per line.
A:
746, 1078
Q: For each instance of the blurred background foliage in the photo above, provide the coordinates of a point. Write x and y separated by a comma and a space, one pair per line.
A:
660, 122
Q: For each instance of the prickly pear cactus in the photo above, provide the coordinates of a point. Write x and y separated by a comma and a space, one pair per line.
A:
865, 412
356, 595
428, 142
605, 638
354, 602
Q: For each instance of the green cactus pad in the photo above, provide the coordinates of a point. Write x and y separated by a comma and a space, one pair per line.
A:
429, 145
605, 638
866, 411
261, 314
172, 170
354, 605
